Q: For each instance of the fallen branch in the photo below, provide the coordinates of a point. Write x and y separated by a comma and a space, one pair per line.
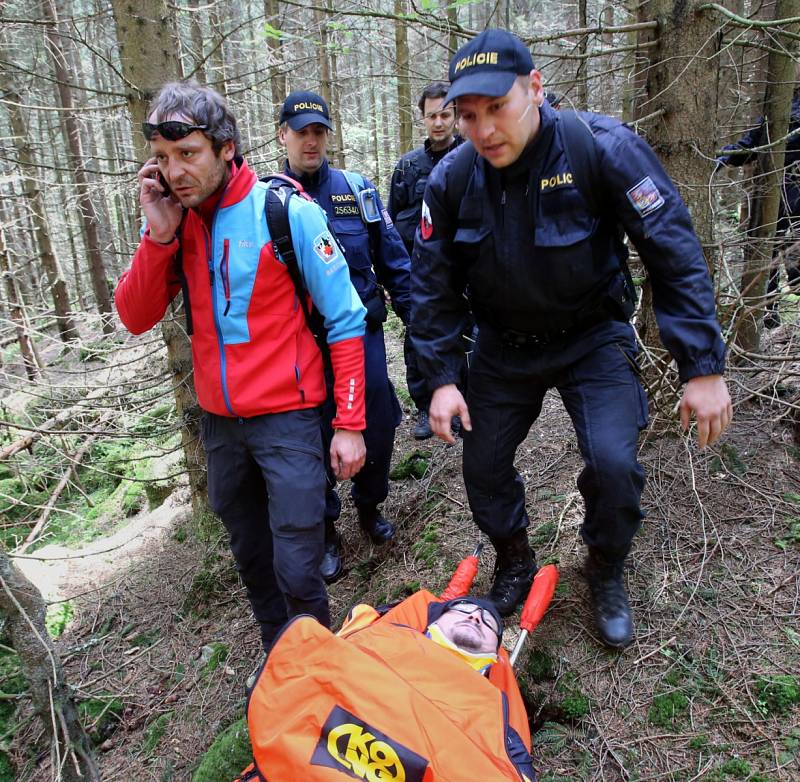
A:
62, 484
56, 420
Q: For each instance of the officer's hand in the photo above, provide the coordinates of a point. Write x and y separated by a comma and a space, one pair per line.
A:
163, 212
446, 402
347, 453
707, 397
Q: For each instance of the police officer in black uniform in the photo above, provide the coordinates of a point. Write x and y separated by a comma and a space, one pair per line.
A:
504, 218
405, 206
377, 258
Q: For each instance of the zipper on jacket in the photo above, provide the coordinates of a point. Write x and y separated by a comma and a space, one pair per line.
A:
223, 368
224, 273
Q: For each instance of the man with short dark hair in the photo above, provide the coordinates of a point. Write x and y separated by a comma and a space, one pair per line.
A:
377, 259
505, 219
405, 205
258, 370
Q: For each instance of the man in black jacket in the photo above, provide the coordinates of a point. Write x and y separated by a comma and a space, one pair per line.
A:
405, 207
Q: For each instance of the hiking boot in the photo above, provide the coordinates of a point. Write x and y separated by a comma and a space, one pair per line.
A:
375, 525
331, 566
772, 319
612, 610
514, 570
422, 430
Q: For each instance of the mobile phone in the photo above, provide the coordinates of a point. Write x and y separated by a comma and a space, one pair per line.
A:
163, 183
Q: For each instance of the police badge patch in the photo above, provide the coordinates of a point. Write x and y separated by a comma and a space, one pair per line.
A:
426, 224
644, 197
325, 247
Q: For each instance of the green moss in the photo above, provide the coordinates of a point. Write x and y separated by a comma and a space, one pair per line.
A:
540, 665
668, 709
59, 615
699, 742
156, 422
402, 591
427, 546
145, 639
792, 538
728, 460
576, 705
415, 465
7, 772
212, 581
735, 767
155, 732
777, 694
216, 656
100, 716
227, 756
544, 534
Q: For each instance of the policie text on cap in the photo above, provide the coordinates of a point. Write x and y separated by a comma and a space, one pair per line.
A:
305, 108
488, 65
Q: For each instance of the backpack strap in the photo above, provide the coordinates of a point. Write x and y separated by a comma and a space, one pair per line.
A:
367, 200
280, 189
583, 159
460, 173
580, 148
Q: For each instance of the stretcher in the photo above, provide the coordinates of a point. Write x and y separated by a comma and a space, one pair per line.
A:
379, 701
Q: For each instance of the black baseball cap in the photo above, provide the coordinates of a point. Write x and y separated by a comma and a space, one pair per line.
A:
488, 65
302, 108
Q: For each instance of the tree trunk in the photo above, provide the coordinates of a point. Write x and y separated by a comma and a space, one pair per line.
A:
769, 174
404, 107
327, 75
33, 192
582, 92
277, 78
452, 20
16, 313
335, 104
148, 62
682, 83
86, 209
23, 609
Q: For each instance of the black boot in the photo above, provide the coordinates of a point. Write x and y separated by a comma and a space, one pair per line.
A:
331, 566
513, 572
612, 611
422, 430
375, 525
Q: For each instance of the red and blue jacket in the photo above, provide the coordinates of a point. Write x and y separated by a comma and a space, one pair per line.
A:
252, 350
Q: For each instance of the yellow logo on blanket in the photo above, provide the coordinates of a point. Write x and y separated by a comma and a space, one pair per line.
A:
358, 750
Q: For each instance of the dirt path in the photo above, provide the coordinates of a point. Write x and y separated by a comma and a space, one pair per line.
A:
61, 572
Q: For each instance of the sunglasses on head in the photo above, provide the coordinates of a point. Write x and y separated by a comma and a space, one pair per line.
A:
469, 608
171, 131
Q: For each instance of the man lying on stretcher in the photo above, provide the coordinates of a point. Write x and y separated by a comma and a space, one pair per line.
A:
391, 698
472, 629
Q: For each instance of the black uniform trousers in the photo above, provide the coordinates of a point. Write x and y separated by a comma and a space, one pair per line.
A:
266, 481
370, 485
596, 377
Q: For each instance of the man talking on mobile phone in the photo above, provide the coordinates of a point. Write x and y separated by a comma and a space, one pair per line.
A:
258, 369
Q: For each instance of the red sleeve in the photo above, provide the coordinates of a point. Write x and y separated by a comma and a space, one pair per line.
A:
144, 291
347, 358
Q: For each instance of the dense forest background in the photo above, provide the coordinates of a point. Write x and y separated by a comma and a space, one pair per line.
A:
126, 638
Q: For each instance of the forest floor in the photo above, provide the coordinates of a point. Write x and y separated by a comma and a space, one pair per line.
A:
162, 640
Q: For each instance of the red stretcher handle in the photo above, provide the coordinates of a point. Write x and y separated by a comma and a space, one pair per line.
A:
544, 585
461, 581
